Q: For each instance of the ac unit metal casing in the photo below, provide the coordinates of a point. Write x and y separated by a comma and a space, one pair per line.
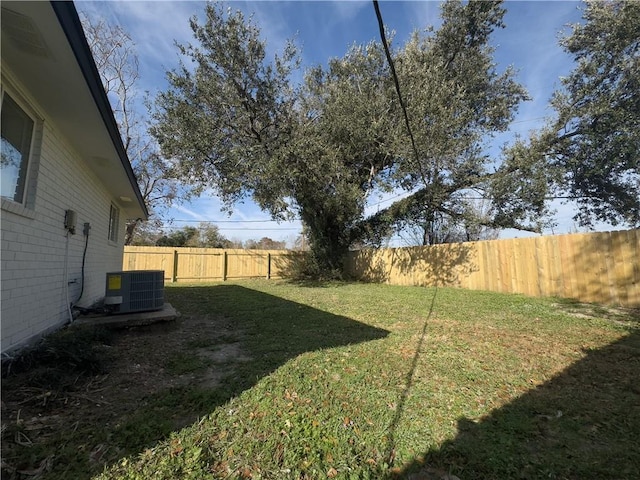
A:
134, 291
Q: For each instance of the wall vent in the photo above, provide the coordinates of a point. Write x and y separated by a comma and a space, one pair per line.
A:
23, 33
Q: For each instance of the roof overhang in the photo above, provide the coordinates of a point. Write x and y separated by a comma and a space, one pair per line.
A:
46, 50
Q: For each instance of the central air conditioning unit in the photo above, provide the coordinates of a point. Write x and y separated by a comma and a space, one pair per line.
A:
134, 291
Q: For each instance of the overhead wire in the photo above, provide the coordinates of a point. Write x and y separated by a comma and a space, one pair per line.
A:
225, 221
403, 194
396, 82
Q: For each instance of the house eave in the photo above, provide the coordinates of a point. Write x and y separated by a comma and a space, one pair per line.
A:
61, 76
72, 26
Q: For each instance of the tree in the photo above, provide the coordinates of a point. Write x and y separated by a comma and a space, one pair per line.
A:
147, 233
117, 62
237, 124
343, 150
209, 236
232, 120
455, 100
206, 235
177, 238
265, 243
470, 227
590, 151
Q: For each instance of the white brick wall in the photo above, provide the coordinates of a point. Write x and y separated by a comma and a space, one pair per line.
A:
33, 243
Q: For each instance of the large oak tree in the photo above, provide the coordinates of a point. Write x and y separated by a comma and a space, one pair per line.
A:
233, 120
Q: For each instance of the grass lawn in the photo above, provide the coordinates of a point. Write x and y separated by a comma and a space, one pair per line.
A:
273, 380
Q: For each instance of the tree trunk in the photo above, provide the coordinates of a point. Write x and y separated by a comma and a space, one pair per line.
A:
130, 230
329, 244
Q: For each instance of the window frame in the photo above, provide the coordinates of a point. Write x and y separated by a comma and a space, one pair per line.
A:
30, 160
114, 223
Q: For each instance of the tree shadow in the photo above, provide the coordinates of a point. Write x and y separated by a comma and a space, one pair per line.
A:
597, 267
409, 379
583, 423
228, 339
432, 266
626, 317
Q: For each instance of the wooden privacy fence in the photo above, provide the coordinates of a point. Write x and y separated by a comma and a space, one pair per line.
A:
592, 267
186, 264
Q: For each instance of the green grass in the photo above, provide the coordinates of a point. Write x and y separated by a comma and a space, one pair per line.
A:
368, 381
180, 363
373, 381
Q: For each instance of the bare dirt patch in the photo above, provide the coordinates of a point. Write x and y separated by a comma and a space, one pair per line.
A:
51, 413
619, 315
222, 360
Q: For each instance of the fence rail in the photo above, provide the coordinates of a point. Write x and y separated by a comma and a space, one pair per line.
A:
186, 264
599, 267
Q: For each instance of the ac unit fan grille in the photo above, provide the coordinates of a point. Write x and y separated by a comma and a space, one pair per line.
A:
146, 291
136, 291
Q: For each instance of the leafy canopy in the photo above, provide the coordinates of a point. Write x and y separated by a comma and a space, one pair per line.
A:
234, 121
591, 149
456, 101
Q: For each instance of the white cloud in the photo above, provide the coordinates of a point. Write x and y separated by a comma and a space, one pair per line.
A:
423, 14
191, 213
153, 27
530, 44
328, 29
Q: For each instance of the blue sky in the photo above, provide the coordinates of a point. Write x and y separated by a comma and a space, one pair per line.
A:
326, 29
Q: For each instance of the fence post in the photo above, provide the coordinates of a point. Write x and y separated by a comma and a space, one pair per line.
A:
268, 266
174, 274
224, 266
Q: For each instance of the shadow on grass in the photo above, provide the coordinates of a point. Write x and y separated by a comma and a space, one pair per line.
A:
270, 330
583, 423
629, 317
259, 332
409, 380
273, 329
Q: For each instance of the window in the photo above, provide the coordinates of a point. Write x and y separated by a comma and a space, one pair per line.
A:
17, 132
114, 213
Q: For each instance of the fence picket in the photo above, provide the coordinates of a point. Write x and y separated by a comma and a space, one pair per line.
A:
602, 267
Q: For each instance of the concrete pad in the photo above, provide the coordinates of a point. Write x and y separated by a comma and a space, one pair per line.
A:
126, 320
